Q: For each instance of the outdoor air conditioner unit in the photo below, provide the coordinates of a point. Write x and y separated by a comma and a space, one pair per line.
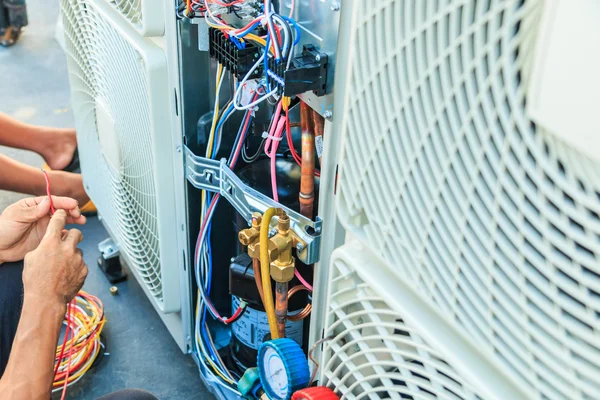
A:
121, 102
471, 264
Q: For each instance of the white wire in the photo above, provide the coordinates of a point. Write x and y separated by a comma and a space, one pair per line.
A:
209, 13
286, 35
267, 11
241, 86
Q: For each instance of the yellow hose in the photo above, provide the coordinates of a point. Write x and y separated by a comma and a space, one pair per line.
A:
265, 273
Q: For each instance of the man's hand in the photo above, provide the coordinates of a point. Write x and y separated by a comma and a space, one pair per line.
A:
53, 274
23, 224
55, 269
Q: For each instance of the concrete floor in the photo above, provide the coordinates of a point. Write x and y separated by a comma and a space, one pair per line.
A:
34, 88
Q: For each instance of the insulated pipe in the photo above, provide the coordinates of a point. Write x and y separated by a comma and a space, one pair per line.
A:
319, 124
281, 306
307, 180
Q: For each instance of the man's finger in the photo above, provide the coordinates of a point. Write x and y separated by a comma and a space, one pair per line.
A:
65, 203
57, 224
80, 220
74, 237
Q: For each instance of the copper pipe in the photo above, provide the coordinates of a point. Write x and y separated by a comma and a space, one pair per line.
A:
307, 180
281, 306
305, 311
319, 125
257, 279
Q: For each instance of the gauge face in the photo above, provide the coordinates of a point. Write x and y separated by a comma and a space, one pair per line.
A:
276, 374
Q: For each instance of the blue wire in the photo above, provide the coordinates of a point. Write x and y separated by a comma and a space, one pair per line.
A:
266, 63
291, 21
222, 120
250, 29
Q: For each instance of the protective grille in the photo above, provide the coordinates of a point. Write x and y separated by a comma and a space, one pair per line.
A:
494, 220
108, 78
375, 354
131, 9
147, 16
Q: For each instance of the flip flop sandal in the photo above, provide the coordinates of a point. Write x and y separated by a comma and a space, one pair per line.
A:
10, 36
88, 209
74, 165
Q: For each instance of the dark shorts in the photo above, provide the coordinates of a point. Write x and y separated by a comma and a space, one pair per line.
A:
11, 302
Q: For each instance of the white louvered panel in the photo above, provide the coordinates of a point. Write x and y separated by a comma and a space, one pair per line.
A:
145, 15
498, 220
374, 353
118, 84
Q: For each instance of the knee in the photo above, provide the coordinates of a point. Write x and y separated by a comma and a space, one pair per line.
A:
11, 288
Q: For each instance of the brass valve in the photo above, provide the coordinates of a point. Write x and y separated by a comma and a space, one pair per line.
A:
282, 267
281, 246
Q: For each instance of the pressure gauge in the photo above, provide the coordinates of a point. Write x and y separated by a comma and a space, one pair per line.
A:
283, 368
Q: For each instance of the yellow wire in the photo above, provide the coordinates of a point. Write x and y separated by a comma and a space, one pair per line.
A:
265, 274
215, 115
87, 323
206, 356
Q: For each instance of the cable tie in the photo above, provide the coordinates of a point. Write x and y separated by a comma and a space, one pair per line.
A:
265, 135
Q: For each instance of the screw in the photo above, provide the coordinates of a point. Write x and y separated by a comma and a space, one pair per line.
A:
114, 290
335, 6
232, 259
300, 246
318, 58
328, 115
178, 148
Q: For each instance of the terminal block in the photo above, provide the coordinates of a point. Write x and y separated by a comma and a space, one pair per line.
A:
236, 56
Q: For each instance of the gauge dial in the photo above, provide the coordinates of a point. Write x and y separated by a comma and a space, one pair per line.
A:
283, 368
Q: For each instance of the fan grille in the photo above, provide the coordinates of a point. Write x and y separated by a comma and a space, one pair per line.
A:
375, 354
106, 70
131, 9
494, 220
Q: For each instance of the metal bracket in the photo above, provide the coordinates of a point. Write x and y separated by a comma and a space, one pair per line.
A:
108, 248
216, 176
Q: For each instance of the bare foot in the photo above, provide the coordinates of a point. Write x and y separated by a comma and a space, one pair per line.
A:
60, 147
68, 184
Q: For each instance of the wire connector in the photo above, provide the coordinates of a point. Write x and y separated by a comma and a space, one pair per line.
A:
307, 72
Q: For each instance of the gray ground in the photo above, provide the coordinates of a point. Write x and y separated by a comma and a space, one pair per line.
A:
34, 88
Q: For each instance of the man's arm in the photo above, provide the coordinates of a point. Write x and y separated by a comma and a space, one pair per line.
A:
30, 369
52, 276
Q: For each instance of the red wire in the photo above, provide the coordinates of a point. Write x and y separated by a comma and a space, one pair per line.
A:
62, 350
64, 393
48, 191
235, 316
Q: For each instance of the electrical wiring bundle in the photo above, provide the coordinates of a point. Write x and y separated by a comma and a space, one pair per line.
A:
82, 343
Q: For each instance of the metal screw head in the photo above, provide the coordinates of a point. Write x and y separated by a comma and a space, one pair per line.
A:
335, 6
178, 148
328, 115
114, 290
300, 246
318, 58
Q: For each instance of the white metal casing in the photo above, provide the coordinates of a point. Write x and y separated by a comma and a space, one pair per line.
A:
564, 92
122, 113
489, 222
